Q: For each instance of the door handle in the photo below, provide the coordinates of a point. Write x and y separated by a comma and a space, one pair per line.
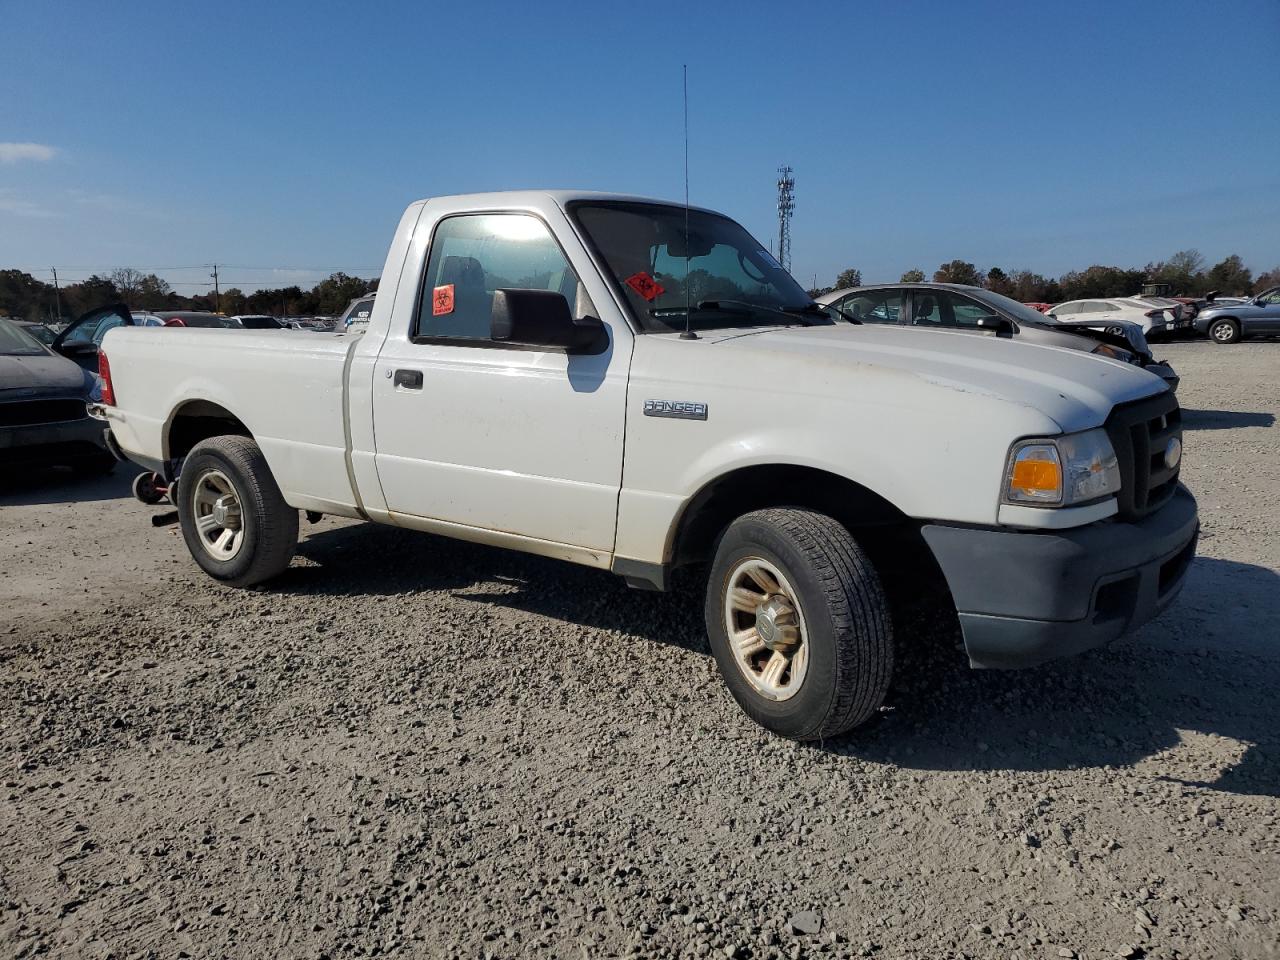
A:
409, 379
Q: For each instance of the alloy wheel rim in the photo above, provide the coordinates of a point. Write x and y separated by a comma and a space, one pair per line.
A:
219, 519
766, 630
1222, 331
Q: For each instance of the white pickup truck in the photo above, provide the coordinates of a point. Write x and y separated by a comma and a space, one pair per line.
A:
622, 383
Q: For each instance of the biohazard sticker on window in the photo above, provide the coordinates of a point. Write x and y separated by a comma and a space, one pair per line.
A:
442, 300
645, 285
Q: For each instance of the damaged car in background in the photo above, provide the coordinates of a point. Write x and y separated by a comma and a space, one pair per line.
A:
975, 310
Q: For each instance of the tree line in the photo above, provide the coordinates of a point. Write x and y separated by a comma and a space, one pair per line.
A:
27, 298
1186, 273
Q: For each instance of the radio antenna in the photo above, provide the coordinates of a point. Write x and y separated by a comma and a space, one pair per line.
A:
688, 305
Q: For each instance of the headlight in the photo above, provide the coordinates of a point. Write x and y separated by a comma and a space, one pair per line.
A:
1115, 353
1062, 471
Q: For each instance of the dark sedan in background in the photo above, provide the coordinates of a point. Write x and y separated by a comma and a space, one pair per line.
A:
43, 421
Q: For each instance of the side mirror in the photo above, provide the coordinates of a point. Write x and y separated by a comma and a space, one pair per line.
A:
542, 318
998, 324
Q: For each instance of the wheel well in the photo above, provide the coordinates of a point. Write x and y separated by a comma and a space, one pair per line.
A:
728, 497
199, 420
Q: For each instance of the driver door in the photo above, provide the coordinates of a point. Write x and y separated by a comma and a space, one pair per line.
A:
493, 436
1268, 317
83, 336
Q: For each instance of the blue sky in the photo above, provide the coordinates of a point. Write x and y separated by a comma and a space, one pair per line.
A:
291, 135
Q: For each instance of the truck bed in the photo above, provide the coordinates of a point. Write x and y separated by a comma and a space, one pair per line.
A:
285, 387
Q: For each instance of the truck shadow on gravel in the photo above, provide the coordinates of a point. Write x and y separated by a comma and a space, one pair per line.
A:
1118, 707
51, 485
1224, 419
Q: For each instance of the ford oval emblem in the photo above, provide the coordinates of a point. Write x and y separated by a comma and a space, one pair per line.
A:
1173, 453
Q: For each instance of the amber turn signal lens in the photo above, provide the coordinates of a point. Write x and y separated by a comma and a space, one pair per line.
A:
1036, 475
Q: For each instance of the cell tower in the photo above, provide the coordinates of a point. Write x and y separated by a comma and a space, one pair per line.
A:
786, 205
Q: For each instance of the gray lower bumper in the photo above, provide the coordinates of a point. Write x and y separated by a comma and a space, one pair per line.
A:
1027, 597
50, 442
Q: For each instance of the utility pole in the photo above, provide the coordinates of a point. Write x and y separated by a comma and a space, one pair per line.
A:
786, 205
217, 294
57, 295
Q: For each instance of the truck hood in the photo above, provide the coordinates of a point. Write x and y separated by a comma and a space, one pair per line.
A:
1076, 390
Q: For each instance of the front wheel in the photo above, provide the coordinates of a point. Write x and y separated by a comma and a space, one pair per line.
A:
1224, 331
234, 519
798, 623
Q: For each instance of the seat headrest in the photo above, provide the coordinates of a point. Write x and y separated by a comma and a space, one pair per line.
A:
463, 272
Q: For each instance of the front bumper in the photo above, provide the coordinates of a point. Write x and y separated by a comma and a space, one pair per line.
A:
50, 443
1027, 597
1165, 372
1169, 328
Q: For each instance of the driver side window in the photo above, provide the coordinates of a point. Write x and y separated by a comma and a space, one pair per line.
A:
474, 255
109, 322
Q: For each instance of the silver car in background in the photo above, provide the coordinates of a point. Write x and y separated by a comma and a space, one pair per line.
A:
1157, 316
974, 310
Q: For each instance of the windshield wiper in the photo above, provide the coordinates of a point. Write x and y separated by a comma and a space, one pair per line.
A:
746, 307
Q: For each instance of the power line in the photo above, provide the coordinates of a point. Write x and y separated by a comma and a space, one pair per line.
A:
199, 266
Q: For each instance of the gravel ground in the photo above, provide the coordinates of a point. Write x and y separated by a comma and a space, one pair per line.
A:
414, 747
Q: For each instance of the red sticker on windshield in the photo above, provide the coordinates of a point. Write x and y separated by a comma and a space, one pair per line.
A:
442, 300
645, 285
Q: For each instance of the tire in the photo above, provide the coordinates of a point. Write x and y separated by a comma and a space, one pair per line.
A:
227, 488
839, 612
1224, 332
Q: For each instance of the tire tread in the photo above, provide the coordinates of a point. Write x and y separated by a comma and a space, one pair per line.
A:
858, 609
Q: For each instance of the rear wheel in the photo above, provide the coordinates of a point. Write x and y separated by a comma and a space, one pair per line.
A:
234, 519
1224, 331
798, 623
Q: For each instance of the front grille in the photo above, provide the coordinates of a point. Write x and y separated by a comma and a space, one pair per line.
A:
1140, 433
23, 413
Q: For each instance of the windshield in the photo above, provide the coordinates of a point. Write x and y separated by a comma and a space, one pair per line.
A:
39, 331
16, 342
643, 246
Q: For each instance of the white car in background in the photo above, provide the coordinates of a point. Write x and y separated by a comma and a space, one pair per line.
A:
1156, 315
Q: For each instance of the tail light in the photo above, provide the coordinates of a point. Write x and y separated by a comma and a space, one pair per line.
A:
104, 371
